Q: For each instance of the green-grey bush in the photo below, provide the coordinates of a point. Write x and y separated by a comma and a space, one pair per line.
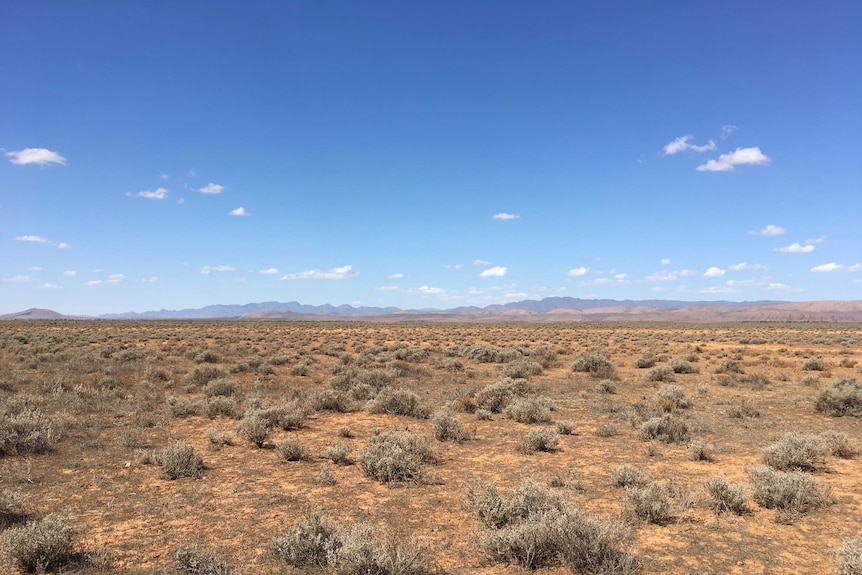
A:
530, 409
848, 559
794, 450
395, 456
399, 402
725, 496
522, 368
842, 397
791, 492
180, 460
668, 428
595, 364
539, 439
39, 545
446, 427
198, 560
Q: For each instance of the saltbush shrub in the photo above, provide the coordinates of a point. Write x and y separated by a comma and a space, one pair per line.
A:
842, 397
726, 496
668, 428
399, 402
198, 560
793, 493
530, 409
395, 456
596, 364
539, 439
39, 545
181, 460
446, 427
794, 450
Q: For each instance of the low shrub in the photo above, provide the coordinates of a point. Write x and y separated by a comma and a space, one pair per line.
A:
446, 427
180, 460
496, 396
395, 456
339, 453
309, 543
531, 409
539, 439
198, 560
255, 426
566, 427
522, 368
793, 493
606, 386
39, 545
668, 428
671, 397
651, 502
842, 397
332, 400
203, 374
596, 364
221, 387
848, 559
399, 402
626, 475
730, 366
839, 444
360, 553
184, 406
27, 430
222, 405
794, 450
700, 450
814, 364
726, 496
292, 450
11, 508
645, 362
660, 373
680, 365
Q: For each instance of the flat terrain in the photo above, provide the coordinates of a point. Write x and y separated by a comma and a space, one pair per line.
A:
116, 394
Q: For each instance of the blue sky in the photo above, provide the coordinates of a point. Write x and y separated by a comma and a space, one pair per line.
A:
179, 154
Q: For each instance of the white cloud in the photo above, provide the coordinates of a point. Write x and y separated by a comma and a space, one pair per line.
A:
64, 246
51, 286
769, 230
713, 272
819, 240
577, 272
796, 248
621, 277
427, 290
745, 266
727, 130
92, 283
682, 144
662, 276
16, 280
316, 274
778, 286
454, 266
212, 189
269, 271
150, 280
685, 273
478, 262
35, 239
719, 289
398, 276
38, 156
836, 267
164, 176
739, 157
240, 211
665, 261
505, 217
207, 269
387, 288
157, 194
495, 272
35, 269
116, 278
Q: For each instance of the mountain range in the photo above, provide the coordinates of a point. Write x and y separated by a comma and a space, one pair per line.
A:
552, 309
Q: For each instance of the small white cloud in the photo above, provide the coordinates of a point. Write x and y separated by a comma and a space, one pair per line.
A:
495, 272
51, 286
212, 189
739, 157
157, 194
682, 144
796, 248
713, 272
478, 262
316, 274
665, 261
718, 290
398, 276
662, 276
240, 211
164, 176
150, 280
745, 266
35, 239
727, 130
685, 273
387, 288
38, 156
836, 267
769, 230
819, 240
778, 286
454, 266
502, 216
427, 290
16, 280
621, 277
577, 272
64, 246
116, 278
207, 269
35, 269
269, 271
92, 283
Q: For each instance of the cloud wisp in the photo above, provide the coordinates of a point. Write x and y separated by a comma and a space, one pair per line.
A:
836, 267
240, 211
769, 230
495, 272
35, 156
157, 194
683, 143
206, 270
739, 157
796, 248
212, 189
340, 273
503, 216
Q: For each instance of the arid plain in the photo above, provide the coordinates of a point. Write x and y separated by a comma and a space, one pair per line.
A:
228, 447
